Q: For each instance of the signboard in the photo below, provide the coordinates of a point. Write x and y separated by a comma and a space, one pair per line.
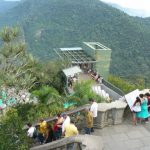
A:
131, 97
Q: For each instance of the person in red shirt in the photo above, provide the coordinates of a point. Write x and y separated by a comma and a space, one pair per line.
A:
57, 129
50, 134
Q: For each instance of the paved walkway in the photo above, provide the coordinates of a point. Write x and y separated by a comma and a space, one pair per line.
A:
126, 136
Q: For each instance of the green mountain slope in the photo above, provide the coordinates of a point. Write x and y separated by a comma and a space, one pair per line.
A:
49, 24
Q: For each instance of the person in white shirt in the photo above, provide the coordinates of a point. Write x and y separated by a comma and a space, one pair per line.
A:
65, 123
93, 109
31, 131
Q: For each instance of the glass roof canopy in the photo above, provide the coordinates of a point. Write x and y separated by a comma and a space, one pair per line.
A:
75, 54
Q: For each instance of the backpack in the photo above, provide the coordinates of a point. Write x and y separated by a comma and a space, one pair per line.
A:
35, 133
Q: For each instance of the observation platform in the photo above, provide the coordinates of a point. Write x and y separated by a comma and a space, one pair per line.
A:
92, 55
125, 137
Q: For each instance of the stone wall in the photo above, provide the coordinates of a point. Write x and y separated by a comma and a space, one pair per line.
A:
110, 114
80, 142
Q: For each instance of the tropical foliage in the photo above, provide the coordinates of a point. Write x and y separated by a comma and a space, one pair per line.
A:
20, 70
46, 94
11, 134
84, 92
35, 112
126, 85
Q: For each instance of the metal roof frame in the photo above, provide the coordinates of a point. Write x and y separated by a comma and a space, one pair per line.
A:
75, 54
99, 45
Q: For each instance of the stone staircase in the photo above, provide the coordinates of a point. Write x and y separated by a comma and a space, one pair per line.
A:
80, 142
108, 114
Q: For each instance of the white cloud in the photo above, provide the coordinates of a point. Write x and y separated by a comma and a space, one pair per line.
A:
142, 5
135, 4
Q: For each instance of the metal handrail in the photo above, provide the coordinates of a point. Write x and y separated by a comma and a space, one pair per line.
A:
113, 87
70, 112
60, 144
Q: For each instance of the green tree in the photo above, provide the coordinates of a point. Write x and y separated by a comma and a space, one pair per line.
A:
22, 70
51, 74
84, 91
47, 95
16, 66
12, 137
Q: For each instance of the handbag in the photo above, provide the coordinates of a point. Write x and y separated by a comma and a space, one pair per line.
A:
136, 108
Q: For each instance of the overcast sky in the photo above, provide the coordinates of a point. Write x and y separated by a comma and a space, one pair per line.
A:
135, 4
12, 0
141, 5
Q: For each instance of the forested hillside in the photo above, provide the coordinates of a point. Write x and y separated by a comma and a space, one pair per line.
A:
48, 24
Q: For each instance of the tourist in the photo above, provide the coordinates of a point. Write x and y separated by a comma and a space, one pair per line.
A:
74, 78
93, 109
56, 129
71, 130
96, 76
136, 108
147, 95
43, 127
100, 80
89, 121
143, 114
59, 125
70, 81
148, 98
65, 122
93, 74
32, 132
42, 130
60, 119
89, 71
49, 135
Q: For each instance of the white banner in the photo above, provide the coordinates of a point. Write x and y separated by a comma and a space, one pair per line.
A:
131, 97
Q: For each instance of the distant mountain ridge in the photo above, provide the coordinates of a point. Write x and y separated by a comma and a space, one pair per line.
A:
131, 11
7, 5
53, 23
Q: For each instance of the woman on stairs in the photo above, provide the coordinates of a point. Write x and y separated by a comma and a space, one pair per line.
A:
143, 114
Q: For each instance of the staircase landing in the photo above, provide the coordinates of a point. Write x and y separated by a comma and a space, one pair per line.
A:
125, 136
